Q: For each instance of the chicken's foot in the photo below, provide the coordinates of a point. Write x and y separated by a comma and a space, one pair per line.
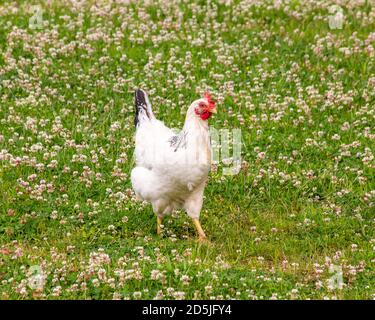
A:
159, 221
201, 234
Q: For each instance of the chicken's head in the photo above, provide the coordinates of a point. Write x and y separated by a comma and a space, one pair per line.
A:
205, 107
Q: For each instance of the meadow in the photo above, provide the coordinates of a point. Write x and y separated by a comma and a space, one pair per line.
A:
296, 76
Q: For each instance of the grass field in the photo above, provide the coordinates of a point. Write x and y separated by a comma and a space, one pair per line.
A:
298, 216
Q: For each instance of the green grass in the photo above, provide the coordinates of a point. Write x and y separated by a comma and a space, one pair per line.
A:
275, 230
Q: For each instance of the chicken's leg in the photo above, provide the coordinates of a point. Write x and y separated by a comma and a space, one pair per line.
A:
159, 221
202, 235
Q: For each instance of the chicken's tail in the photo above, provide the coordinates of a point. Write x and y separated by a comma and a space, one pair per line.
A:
143, 108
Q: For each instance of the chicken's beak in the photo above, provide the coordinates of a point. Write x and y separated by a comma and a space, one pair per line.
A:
213, 110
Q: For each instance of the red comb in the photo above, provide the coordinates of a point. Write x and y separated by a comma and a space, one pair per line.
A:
211, 103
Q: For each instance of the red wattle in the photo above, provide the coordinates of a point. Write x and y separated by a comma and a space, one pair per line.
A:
205, 115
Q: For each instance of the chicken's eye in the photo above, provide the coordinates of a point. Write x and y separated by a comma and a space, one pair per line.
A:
202, 105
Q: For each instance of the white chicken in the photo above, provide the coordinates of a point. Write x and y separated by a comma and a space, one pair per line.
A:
172, 169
